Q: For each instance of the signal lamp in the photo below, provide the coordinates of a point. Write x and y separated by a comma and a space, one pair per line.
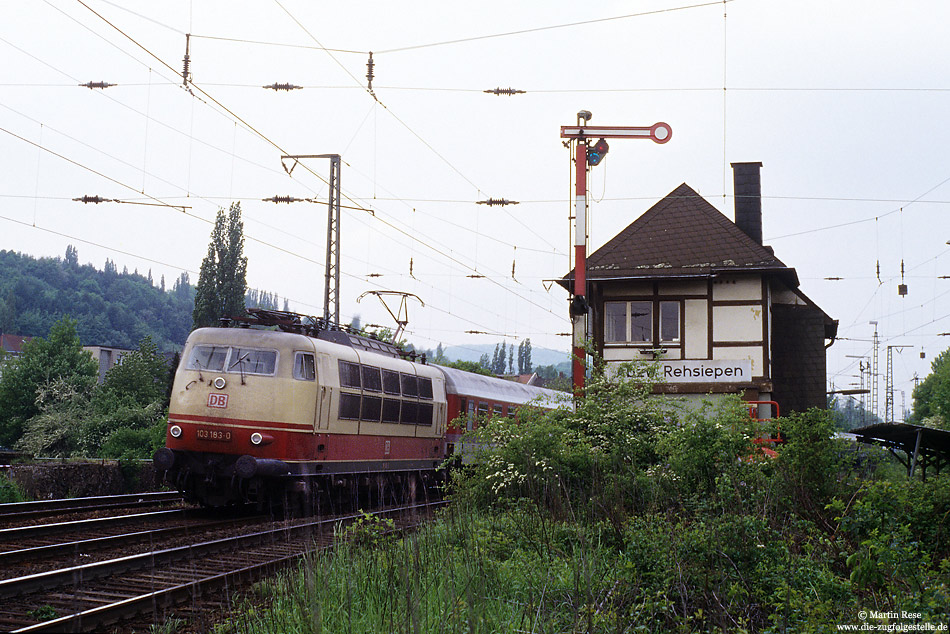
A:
596, 153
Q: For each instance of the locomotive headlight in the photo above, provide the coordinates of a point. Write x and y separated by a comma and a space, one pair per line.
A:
219, 383
258, 439
175, 431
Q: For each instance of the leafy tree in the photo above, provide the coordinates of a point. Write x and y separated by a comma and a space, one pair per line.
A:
485, 362
469, 366
141, 378
222, 279
59, 356
524, 357
932, 396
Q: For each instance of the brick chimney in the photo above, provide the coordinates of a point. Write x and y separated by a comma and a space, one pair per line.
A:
747, 188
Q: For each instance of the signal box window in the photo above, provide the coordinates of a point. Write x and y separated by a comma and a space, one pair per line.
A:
633, 322
669, 321
304, 367
350, 375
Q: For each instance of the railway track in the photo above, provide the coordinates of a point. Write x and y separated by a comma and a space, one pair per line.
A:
13, 512
92, 595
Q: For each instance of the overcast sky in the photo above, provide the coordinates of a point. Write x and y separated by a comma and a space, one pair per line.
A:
844, 102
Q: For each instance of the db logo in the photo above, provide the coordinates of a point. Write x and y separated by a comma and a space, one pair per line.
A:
218, 400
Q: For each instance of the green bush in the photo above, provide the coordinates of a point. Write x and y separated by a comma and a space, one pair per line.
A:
10, 491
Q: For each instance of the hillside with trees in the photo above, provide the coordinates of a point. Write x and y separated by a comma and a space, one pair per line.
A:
111, 308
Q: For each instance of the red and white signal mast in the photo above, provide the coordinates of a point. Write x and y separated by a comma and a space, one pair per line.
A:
587, 155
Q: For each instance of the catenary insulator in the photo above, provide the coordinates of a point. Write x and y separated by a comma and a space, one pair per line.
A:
491, 202
96, 84
504, 91
370, 65
288, 87
92, 199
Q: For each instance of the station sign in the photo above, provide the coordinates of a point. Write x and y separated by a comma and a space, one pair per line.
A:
691, 371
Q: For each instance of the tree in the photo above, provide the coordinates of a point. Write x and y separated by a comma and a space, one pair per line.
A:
59, 356
222, 279
524, 357
932, 396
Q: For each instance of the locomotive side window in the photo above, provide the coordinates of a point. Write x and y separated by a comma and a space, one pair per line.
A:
249, 361
410, 413
425, 387
390, 410
410, 387
208, 358
350, 406
372, 406
304, 367
371, 380
350, 374
390, 382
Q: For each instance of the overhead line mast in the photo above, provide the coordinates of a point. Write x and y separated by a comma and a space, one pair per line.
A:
586, 155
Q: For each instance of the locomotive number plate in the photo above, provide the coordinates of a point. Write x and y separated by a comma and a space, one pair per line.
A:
221, 435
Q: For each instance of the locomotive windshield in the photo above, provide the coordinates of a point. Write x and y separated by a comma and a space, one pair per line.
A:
232, 359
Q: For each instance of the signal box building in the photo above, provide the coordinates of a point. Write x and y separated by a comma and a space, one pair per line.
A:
702, 295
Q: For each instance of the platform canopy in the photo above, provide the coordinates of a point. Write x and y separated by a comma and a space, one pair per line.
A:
923, 447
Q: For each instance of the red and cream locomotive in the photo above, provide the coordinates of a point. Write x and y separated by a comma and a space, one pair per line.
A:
266, 416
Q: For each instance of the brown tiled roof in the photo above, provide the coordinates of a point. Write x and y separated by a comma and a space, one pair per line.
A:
13, 343
682, 236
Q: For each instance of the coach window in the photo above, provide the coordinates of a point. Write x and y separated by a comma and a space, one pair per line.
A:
425, 414
349, 406
410, 386
390, 410
390, 382
482, 411
410, 413
372, 406
498, 411
304, 367
350, 375
470, 415
425, 387
371, 380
